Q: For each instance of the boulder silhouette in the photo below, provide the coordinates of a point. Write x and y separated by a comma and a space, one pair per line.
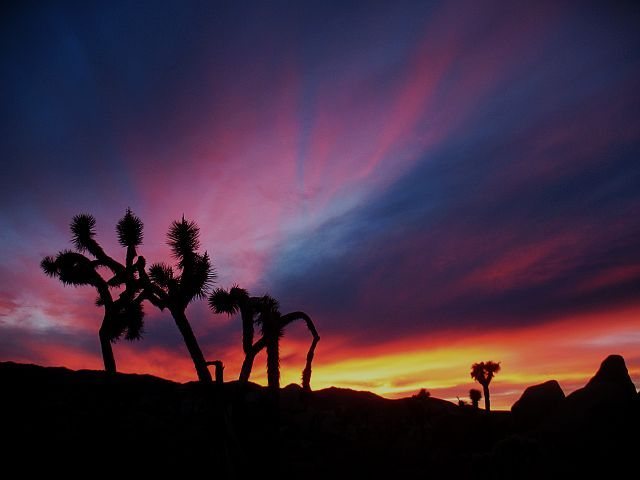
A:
613, 374
537, 403
610, 393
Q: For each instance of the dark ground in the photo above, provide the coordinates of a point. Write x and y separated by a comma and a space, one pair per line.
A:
88, 423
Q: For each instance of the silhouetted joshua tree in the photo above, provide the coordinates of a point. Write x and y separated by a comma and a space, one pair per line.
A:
273, 325
475, 395
124, 315
483, 373
264, 311
175, 289
230, 302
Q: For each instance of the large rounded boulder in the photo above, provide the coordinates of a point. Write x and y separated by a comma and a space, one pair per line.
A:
537, 403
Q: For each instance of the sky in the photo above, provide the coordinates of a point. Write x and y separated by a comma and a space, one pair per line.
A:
435, 183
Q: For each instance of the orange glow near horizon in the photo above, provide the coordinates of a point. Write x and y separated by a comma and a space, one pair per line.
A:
574, 348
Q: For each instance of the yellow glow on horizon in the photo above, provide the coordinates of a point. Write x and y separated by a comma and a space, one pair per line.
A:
568, 350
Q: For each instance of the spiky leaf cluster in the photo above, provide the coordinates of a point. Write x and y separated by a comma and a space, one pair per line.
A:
83, 229
71, 268
162, 275
269, 316
193, 276
183, 239
221, 301
130, 230
198, 278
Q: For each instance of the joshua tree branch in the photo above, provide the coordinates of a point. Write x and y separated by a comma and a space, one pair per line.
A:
152, 292
98, 252
290, 317
247, 364
306, 373
287, 319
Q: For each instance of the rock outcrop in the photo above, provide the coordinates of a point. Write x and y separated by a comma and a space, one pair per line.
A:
609, 391
613, 374
537, 403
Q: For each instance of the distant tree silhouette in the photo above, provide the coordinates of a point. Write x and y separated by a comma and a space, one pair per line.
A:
423, 394
483, 373
175, 289
475, 395
265, 312
124, 315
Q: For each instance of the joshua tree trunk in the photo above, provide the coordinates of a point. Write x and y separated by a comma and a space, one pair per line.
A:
107, 351
247, 364
219, 366
219, 373
273, 362
247, 328
487, 400
104, 334
192, 345
306, 373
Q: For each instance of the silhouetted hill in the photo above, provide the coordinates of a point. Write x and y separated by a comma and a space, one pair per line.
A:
56, 420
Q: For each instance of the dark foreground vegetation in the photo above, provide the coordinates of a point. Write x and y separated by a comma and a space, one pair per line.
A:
56, 420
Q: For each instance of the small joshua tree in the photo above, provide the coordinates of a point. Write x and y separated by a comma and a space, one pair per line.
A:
475, 395
483, 373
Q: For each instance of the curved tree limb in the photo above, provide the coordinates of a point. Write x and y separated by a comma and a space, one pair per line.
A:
257, 347
287, 319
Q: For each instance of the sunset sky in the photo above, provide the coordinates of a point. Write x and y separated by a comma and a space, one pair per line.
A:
435, 183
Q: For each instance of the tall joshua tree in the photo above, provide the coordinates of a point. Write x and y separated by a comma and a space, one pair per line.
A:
264, 311
175, 288
483, 373
124, 315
